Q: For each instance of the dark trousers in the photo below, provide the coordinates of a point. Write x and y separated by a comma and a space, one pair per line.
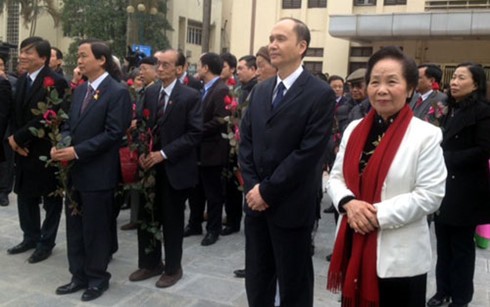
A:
273, 253
233, 203
455, 265
30, 219
210, 191
90, 238
169, 210
7, 169
402, 292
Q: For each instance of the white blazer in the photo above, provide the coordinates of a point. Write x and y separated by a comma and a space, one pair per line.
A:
413, 188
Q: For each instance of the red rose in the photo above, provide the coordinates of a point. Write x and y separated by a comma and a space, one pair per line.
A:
48, 82
64, 163
237, 133
231, 81
186, 80
435, 86
228, 100
146, 114
49, 115
130, 82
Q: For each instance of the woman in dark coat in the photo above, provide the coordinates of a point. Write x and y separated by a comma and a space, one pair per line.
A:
466, 146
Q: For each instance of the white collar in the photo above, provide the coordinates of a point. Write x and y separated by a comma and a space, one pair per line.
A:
289, 80
33, 76
95, 84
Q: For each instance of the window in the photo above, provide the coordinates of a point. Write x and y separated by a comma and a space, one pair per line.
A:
361, 51
313, 67
316, 52
12, 32
364, 2
395, 2
317, 3
291, 4
194, 33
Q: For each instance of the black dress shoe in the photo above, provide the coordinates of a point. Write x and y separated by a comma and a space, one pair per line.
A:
93, 292
21, 247
228, 230
39, 255
239, 273
70, 288
4, 199
210, 239
437, 300
189, 231
457, 305
330, 209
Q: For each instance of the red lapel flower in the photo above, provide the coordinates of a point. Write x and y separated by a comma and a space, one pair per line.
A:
231, 81
146, 114
48, 82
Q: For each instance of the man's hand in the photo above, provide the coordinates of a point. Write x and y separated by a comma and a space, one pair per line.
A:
64, 154
255, 200
361, 216
21, 151
151, 159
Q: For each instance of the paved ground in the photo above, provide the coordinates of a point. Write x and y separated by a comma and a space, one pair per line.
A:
208, 280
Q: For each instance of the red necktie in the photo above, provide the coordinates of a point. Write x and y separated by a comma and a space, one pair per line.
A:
419, 102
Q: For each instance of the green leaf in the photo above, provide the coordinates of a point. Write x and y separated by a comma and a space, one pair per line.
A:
36, 112
33, 131
40, 133
42, 106
43, 158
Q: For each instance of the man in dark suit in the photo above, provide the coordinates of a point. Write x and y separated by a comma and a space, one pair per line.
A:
429, 74
33, 181
284, 137
176, 115
213, 153
99, 117
184, 77
5, 104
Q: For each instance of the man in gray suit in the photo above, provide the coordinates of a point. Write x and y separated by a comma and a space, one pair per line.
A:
429, 74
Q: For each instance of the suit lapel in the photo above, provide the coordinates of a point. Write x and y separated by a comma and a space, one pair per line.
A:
36, 86
99, 93
171, 102
295, 90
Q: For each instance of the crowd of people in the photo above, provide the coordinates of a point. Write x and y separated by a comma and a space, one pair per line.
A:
252, 136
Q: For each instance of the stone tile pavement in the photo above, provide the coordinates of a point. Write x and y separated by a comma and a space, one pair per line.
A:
207, 282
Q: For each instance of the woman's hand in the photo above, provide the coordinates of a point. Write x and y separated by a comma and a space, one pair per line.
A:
361, 216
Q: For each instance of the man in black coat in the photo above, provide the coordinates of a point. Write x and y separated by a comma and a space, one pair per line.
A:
284, 137
184, 77
33, 181
99, 117
213, 153
176, 115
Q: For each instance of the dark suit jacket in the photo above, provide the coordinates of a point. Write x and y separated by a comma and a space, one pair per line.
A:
178, 132
97, 133
466, 147
422, 110
283, 149
194, 83
5, 105
213, 150
31, 176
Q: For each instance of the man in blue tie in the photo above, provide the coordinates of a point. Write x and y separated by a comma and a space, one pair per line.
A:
284, 137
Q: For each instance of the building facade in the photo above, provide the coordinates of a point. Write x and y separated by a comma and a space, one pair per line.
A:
344, 32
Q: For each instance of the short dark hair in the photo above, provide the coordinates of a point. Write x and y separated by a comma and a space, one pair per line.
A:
409, 68
335, 78
479, 78
432, 71
180, 58
302, 32
213, 61
59, 54
250, 61
101, 49
42, 47
229, 58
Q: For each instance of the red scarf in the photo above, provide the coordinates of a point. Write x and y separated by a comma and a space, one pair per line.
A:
353, 265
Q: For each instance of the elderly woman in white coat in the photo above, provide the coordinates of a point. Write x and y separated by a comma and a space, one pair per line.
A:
388, 176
